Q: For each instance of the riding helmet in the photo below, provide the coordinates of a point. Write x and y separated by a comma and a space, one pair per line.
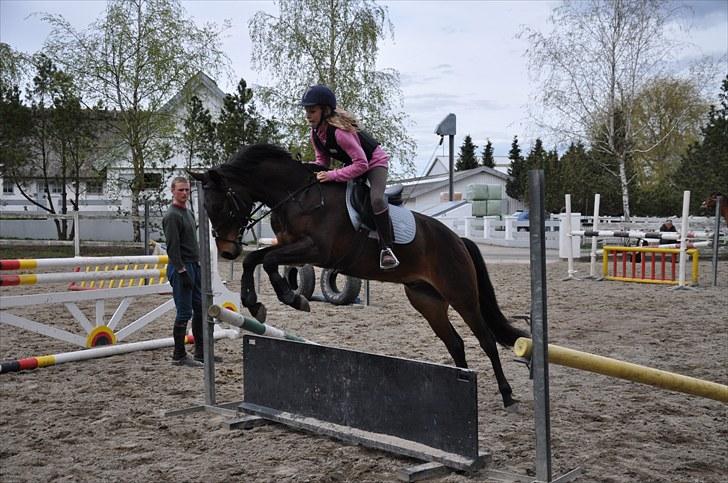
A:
319, 95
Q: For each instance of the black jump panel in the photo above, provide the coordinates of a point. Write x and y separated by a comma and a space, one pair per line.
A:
429, 404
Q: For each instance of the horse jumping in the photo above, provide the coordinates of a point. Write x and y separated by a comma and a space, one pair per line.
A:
438, 268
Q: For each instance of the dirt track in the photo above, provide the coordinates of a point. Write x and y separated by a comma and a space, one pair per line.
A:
101, 420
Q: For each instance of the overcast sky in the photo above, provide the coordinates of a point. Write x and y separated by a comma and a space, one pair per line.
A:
453, 56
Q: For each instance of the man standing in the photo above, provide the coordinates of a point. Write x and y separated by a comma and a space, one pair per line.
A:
183, 272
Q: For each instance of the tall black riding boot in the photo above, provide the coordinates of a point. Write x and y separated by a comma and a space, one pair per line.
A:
178, 333
199, 341
387, 259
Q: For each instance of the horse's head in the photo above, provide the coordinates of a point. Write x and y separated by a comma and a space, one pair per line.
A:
709, 202
228, 208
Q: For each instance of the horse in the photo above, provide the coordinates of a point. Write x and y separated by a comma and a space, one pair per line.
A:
312, 226
710, 201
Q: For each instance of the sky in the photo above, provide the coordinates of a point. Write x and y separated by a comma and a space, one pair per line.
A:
460, 57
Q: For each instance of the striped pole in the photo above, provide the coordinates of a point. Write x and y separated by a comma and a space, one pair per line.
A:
38, 278
626, 370
249, 324
31, 263
29, 363
665, 235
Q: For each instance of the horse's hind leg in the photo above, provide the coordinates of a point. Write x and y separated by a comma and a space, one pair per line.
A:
470, 312
433, 307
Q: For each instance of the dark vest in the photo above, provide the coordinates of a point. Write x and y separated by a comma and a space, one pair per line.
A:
332, 148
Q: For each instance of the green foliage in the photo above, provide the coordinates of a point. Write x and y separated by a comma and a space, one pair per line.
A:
518, 172
208, 143
135, 58
488, 160
240, 123
333, 43
704, 169
466, 158
199, 137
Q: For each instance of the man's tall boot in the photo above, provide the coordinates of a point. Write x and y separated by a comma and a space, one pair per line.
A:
387, 259
178, 333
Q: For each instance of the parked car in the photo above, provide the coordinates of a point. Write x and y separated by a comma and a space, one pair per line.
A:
521, 216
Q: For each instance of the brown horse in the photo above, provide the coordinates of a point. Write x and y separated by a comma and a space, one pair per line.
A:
710, 201
438, 268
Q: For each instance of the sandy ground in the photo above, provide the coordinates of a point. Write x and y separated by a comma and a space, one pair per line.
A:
102, 420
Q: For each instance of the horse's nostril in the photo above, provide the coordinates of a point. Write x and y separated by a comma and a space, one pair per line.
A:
227, 255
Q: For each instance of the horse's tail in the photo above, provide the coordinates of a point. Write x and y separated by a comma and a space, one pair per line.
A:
505, 333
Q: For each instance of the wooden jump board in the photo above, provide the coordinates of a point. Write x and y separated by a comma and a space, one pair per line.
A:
417, 409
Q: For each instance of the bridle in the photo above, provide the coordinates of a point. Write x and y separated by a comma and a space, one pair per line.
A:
232, 199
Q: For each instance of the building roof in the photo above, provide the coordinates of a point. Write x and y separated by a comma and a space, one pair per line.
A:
414, 187
191, 87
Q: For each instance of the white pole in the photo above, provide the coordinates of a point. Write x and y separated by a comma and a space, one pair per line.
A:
76, 235
569, 239
595, 227
111, 350
683, 238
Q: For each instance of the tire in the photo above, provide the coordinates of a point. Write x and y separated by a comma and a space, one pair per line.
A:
302, 280
339, 293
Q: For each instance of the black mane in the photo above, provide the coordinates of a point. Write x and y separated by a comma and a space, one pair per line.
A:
256, 153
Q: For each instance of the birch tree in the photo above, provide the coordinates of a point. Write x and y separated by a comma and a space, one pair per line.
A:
134, 59
591, 68
331, 42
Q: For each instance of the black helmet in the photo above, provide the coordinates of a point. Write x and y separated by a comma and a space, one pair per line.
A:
319, 96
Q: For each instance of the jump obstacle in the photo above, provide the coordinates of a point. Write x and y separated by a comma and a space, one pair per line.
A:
396, 405
101, 329
686, 241
541, 353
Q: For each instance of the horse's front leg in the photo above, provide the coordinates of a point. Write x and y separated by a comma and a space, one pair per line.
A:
248, 297
297, 253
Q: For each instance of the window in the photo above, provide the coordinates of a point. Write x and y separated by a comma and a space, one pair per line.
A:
54, 186
8, 186
152, 180
95, 187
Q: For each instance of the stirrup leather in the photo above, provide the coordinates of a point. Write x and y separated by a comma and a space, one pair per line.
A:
382, 254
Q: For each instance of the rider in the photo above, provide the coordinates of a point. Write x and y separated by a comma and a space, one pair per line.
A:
336, 134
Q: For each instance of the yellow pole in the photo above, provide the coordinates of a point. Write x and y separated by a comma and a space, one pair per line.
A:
626, 370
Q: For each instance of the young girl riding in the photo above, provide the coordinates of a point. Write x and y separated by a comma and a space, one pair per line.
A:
336, 134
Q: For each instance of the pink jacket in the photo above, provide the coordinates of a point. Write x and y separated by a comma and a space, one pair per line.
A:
349, 142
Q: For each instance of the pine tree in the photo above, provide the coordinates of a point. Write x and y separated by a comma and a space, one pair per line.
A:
199, 137
704, 169
488, 160
518, 172
466, 158
240, 123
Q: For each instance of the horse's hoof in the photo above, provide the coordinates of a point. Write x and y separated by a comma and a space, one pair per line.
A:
513, 406
259, 312
301, 303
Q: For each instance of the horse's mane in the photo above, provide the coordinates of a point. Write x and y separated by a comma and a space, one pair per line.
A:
254, 154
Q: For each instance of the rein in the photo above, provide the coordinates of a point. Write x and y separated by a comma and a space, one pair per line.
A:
252, 222
234, 200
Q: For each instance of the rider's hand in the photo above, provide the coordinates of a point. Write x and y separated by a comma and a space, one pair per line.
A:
323, 176
186, 280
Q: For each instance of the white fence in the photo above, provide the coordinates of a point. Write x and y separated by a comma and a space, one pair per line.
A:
507, 232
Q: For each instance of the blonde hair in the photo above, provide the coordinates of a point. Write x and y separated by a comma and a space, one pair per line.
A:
343, 120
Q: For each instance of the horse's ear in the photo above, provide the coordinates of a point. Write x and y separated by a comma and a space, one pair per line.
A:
197, 176
215, 177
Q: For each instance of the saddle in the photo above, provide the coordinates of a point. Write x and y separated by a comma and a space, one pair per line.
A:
362, 217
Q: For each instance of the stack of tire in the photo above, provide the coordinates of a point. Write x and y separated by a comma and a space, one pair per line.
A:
485, 199
336, 288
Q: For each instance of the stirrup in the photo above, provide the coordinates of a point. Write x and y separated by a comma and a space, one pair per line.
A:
384, 253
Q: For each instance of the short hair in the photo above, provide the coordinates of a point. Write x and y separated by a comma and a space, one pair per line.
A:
668, 221
179, 179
